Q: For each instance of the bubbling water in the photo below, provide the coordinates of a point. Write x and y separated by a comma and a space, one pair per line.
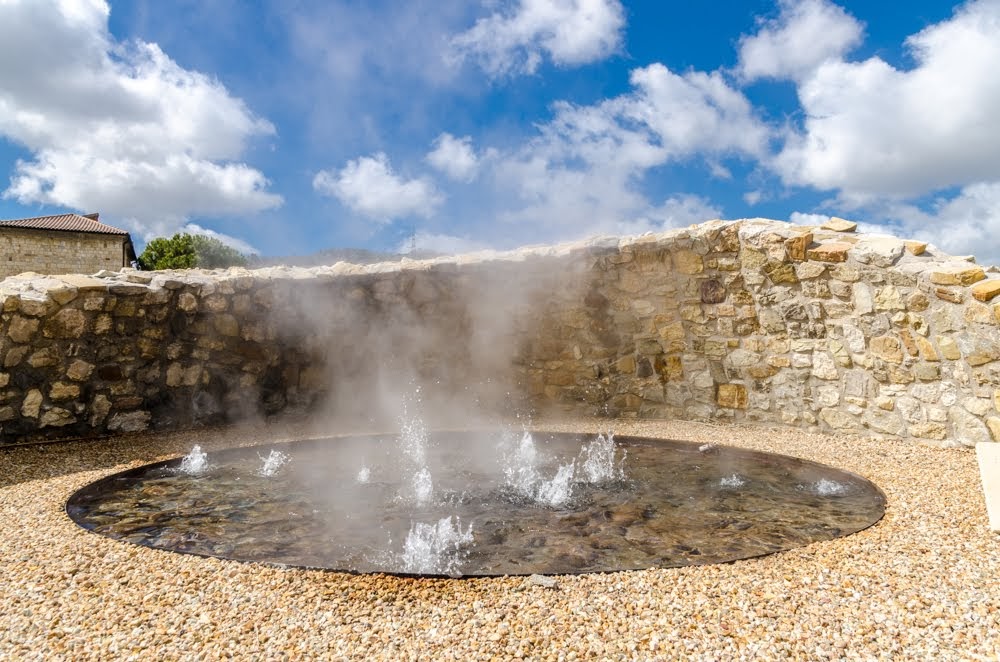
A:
195, 462
274, 461
436, 548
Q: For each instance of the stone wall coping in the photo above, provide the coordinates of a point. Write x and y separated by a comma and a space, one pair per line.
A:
764, 234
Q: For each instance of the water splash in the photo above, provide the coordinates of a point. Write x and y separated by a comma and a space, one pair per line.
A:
364, 475
274, 461
436, 548
732, 482
195, 462
423, 486
520, 467
596, 464
597, 461
558, 491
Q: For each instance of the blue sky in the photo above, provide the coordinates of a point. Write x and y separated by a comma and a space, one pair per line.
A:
289, 127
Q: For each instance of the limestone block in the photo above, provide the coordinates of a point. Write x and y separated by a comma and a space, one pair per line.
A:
67, 323
927, 371
63, 391
780, 272
979, 313
993, 423
56, 417
968, 429
878, 251
809, 270
22, 329
885, 421
795, 247
823, 366
915, 247
836, 224
862, 297
948, 294
887, 348
925, 349
187, 302
133, 421
957, 273
889, 298
688, 262
45, 357
917, 301
985, 290
831, 252
838, 420
928, 430
949, 349
226, 325
977, 406
31, 404
732, 396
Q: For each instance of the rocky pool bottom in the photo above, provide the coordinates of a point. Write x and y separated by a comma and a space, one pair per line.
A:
480, 503
920, 585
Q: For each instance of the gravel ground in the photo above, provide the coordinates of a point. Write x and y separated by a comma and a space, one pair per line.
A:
924, 583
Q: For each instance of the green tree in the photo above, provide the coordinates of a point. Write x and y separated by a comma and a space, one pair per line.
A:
185, 251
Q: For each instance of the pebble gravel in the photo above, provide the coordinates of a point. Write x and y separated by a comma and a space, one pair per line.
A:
924, 583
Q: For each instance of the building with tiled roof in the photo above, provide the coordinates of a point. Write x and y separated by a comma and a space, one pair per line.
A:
63, 244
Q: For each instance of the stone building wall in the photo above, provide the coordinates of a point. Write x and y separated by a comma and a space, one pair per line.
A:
752, 320
60, 252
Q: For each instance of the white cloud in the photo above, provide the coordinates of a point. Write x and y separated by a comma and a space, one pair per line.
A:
805, 34
753, 197
569, 32
585, 169
440, 243
454, 157
232, 242
805, 218
675, 212
119, 128
873, 130
369, 186
967, 223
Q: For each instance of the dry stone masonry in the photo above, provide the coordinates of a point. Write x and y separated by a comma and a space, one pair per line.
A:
752, 320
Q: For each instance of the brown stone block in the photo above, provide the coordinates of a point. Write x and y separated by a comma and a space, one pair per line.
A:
985, 290
887, 348
947, 294
713, 291
831, 252
731, 396
958, 274
795, 247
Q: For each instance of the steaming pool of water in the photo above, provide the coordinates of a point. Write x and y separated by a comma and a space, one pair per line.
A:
477, 503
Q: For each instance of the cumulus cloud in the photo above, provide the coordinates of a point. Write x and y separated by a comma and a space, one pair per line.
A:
454, 157
370, 187
967, 223
568, 32
805, 34
585, 169
119, 128
873, 130
228, 240
675, 212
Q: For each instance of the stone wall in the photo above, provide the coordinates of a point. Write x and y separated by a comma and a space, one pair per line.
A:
752, 320
58, 252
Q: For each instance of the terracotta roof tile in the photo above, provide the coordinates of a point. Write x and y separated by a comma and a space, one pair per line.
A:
66, 222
